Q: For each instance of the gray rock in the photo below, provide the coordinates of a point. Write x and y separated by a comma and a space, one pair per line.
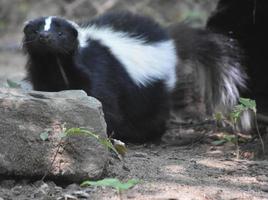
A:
25, 115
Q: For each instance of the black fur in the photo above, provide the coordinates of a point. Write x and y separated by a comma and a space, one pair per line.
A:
132, 113
205, 72
135, 113
134, 25
246, 21
62, 38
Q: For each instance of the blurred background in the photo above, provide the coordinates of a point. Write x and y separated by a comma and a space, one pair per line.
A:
13, 14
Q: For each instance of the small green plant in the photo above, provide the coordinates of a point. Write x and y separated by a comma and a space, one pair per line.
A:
249, 105
245, 105
224, 139
114, 183
234, 116
119, 148
106, 142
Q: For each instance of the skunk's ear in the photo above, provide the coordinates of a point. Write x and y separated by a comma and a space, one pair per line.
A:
27, 22
75, 33
75, 27
26, 25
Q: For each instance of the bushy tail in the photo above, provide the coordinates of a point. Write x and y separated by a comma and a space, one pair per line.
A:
215, 63
229, 79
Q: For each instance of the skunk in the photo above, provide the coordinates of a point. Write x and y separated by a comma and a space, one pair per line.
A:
131, 64
128, 62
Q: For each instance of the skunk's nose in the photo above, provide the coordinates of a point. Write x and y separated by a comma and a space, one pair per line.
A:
44, 36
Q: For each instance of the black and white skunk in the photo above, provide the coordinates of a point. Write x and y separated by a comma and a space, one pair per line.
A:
131, 64
126, 61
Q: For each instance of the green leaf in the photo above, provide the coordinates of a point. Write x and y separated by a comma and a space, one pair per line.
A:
131, 183
73, 131
249, 104
218, 142
230, 138
12, 84
44, 136
218, 116
106, 142
105, 182
237, 111
112, 182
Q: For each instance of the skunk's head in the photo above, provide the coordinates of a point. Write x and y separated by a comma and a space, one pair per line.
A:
50, 34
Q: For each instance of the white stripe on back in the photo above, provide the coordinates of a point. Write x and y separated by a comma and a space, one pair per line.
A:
144, 63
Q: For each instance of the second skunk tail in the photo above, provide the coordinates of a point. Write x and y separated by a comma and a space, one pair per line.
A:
210, 73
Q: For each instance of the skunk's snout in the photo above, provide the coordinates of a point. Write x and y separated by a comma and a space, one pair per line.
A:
45, 36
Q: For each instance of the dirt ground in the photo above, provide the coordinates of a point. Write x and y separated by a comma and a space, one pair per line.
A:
184, 165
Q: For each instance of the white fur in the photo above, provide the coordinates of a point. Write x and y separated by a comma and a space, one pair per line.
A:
143, 62
48, 22
246, 120
232, 79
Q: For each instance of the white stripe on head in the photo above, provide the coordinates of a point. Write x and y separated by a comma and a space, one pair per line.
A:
145, 63
47, 23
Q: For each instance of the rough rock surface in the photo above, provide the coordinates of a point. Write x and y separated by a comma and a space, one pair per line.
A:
25, 115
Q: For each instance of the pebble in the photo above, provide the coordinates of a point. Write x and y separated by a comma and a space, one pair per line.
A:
262, 178
8, 183
17, 190
81, 194
140, 155
264, 188
73, 187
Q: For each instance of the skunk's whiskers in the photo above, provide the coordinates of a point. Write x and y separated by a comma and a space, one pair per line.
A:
63, 74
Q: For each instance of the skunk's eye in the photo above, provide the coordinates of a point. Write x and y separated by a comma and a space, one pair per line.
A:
60, 33
29, 29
